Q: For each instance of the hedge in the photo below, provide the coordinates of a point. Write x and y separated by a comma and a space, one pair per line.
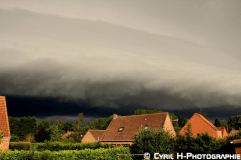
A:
58, 146
109, 153
19, 146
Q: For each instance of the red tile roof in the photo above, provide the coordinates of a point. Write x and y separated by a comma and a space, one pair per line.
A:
200, 125
97, 134
4, 123
233, 132
132, 124
224, 132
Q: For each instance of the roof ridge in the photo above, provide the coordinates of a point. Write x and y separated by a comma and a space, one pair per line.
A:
210, 124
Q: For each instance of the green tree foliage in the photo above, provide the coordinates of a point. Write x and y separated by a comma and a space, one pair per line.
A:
152, 141
217, 122
77, 126
14, 138
204, 115
55, 135
68, 126
25, 126
13, 125
182, 121
59, 124
1, 134
75, 137
234, 122
42, 135
30, 137
188, 130
201, 143
236, 136
100, 124
144, 111
44, 124
177, 129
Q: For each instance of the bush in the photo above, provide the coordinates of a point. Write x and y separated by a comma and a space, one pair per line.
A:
202, 144
42, 135
55, 135
76, 137
30, 137
109, 153
14, 138
70, 140
57, 146
153, 141
19, 146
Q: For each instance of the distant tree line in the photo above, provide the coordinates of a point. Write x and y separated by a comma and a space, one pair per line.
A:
27, 128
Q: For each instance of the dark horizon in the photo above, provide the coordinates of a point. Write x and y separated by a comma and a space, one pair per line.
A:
51, 109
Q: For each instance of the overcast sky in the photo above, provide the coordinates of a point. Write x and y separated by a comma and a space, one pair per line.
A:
61, 58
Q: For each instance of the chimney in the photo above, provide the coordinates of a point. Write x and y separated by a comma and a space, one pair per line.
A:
115, 116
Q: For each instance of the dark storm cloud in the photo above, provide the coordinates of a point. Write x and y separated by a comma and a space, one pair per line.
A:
97, 67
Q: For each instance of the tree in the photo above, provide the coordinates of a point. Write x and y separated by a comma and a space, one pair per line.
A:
26, 125
201, 144
234, 122
182, 121
14, 138
144, 111
217, 122
153, 140
13, 125
59, 124
68, 126
204, 115
188, 130
184, 143
30, 137
42, 135
44, 124
55, 135
77, 126
100, 124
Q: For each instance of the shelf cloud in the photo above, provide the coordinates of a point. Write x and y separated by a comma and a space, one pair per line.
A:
111, 65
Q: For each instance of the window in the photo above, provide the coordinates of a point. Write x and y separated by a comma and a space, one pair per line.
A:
121, 129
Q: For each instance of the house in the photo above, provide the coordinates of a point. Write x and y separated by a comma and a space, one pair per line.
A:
4, 124
202, 125
92, 136
238, 146
121, 129
233, 147
224, 131
68, 133
233, 132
